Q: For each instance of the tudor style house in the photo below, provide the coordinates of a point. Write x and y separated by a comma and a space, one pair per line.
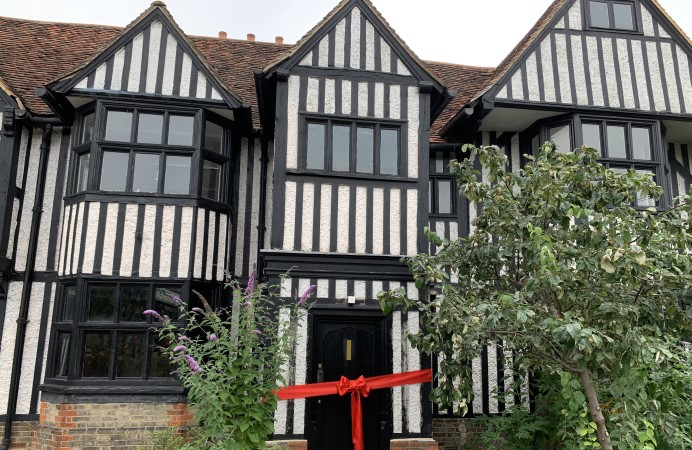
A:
140, 162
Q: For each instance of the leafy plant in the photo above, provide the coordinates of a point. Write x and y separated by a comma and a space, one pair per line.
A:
231, 359
573, 279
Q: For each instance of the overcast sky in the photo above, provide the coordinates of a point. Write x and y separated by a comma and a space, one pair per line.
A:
474, 32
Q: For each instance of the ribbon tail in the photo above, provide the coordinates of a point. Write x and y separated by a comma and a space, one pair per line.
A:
357, 422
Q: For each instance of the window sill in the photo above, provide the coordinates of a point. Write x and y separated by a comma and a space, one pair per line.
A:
103, 391
142, 199
351, 176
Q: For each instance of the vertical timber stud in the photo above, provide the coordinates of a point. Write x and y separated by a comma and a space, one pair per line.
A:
280, 149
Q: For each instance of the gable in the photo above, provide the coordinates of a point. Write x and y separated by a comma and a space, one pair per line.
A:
571, 64
355, 43
152, 56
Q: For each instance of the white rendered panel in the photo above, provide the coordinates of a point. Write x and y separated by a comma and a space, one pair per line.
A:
185, 251
379, 100
492, 378
281, 412
595, 71
290, 216
655, 74
323, 60
292, 122
378, 221
201, 86
477, 383
342, 219
300, 370
28, 204
128, 248
547, 66
647, 22
532, 78
329, 96
612, 80
254, 214
211, 237
7, 341
31, 341
580, 81
308, 213
625, 74
166, 241
339, 43
77, 244
153, 58
412, 221
118, 64
221, 258
686, 82
575, 22
169, 65
146, 257
385, 56
517, 86
325, 217
100, 77
413, 124
362, 99
341, 289
563, 68
108, 239
397, 412
640, 76
412, 391
242, 193
401, 68
48, 196
369, 46
669, 74
135, 63
355, 38
345, 97
394, 101
361, 218
394, 221
199, 244
311, 102
185, 75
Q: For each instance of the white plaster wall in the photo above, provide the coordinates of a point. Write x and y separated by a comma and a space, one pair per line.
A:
595, 71
330, 96
369, 46
575, 22
547, 66
379, 100
135, 63
612, 80
118, 64
669, 74
7, 344
281, 413
221, 264
640, 75
300, 369
517, 85
339, 43
578, 70
201, 85
290, 216
683, 64
532, 78
242, 192
395, 221
306, 221
185, 76
655, 75
412, 391
186, 226
377, 221
90, 244
647, 22
395, 101
413, 125
292, 122
563, 68
625, 74
77, 244
47, 325
31, 342
48, 196
13, 227
29, 197
199, 243
397, 337
100, 77
128, 247
324, 52
153, 57
325, 217
412, 221
211, 237
361, 219
270, 190
345, 97
344, 219
363, 99
355, 38
385, 56
166, 241
311, 103
169, 65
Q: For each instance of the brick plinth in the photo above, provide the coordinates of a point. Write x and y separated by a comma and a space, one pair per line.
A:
288, 445
452, 433
22, 434
413, 444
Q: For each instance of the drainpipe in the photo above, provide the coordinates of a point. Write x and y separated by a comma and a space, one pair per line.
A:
23, 318
261, 228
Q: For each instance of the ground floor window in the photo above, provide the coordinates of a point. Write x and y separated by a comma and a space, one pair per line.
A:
100, 330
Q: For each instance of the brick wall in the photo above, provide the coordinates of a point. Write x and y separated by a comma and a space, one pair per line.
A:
413, 444
288, 445
22, 434
452, 433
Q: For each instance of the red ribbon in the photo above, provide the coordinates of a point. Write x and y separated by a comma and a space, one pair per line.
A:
357, 388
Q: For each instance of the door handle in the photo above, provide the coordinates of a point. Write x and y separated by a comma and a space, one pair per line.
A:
320, 373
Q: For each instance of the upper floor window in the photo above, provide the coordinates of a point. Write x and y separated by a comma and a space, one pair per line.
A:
151, 151
619, 15
442, 194
352, 147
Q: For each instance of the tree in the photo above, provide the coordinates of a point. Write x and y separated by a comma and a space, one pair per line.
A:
568, 274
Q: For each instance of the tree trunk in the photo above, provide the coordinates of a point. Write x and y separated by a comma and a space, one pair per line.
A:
595, 410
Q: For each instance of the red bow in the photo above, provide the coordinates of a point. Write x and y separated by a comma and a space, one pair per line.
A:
358, 387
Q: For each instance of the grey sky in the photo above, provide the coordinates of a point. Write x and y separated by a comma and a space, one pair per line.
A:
470, 32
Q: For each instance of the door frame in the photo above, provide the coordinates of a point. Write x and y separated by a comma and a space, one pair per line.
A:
350, 315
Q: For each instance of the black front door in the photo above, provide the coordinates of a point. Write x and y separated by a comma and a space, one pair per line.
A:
350, 347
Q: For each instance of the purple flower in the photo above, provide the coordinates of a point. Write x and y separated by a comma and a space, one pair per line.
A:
250, 285
198, 310
179, 348
194, 367
212, 337
304, 296
154, 314
176, 299
184, 339
247, 304
166, 317
257, 332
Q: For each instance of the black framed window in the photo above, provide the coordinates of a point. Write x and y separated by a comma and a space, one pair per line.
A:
365, 148
625, 145
100, 331
614, 15
442, 190
146, 150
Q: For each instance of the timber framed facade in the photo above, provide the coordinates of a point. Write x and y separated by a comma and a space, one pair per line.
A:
138, 163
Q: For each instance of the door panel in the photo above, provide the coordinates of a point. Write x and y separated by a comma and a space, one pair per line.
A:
348, 347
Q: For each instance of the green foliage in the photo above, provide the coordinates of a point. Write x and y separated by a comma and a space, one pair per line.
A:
230, 360
573, 279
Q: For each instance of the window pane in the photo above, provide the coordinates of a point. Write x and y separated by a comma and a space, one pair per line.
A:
341, 143
641, 143
616, 141
598, 12
150, 128
623, 16
211, 180
180, 130
160, 365
167, 301
114, 171
97, 354
561, 136
130, 358
439, 162
62, 355
213, 137
365, 144
82, 172
133, 302
101, 303
643, 200
146, 177
68, 301
87, 128
315, 147
118, 126
177, 179
430, 196
591, 135
444, 196
389, 152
